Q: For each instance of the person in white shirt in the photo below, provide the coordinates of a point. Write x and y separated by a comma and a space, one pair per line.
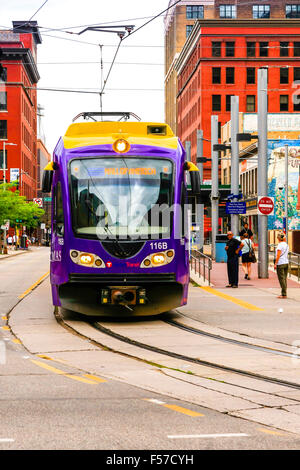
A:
282, 264
246, 259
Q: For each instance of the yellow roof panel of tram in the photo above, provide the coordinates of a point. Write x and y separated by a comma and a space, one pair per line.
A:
84, 134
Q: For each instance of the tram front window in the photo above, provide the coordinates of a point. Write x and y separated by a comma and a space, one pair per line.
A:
125, 198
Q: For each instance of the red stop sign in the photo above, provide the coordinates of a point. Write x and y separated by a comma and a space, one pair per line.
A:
265, 205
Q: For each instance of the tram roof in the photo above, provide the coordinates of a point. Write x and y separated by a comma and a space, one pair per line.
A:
84, 134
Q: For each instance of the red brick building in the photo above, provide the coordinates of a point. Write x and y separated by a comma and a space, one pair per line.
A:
220, 59
18, 104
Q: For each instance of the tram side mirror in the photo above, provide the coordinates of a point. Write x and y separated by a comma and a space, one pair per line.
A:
48, 177
194, 177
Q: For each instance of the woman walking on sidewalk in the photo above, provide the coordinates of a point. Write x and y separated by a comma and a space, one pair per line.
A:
246, 260
282, 264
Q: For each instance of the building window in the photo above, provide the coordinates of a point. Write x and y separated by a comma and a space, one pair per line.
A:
296, 103
261, 11
229, 49
250, 106
228, 102
216, 75
216, 49
284, 49
216, 102
3, 74
227, 11
284, 102
229, 74
3, 101
189, 28
292, 11
3, 129
284, 75
1, 159
194, 12
296, 49
251, 75
296, 74
251, 49
263, 49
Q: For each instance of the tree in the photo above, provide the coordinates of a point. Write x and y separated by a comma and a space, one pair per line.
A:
14, 207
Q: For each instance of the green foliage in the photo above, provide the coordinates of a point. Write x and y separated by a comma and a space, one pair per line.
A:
14, 207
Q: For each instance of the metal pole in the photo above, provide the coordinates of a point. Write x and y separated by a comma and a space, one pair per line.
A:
4, 181
214, 185
235, 168
199, 206
262, 170
286, 189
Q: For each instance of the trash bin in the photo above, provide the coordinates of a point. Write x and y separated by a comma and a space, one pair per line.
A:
23, 241
221, 255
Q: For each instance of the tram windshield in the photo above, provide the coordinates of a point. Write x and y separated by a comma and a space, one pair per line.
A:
124, 198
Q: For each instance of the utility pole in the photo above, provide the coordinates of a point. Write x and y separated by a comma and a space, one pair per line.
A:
214, 185
189, 217
199, 206
262, 170
235, 168
286, 189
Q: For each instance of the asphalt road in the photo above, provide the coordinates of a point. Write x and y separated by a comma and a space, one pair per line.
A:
47, 405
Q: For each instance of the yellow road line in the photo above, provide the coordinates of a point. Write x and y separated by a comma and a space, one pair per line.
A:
239, 302
275, 433
4, 318
94, 377
5, 328
180, 409
185, 411
34, 285
61, 372
17, 341
42, 356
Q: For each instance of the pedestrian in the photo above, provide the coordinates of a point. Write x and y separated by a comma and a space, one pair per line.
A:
9, 240
247, 230
282, 264
233, 246
246, 259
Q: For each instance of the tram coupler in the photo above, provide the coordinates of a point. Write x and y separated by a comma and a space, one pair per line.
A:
123, 295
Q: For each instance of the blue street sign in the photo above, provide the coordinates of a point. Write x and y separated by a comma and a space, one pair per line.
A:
235, 207
235, 196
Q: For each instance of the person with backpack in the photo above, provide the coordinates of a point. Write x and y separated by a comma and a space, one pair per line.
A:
247, 255
282, 264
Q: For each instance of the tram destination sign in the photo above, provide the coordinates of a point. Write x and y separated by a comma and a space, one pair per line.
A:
236, 207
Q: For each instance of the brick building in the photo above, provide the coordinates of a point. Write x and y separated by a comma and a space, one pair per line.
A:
220, 58
18, 104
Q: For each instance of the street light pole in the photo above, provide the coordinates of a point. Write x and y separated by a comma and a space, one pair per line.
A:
286, 189
235, 168
262, 173
4, 181
214, 185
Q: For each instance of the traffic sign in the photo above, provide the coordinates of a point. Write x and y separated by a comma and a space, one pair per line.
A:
38, 201
265, 205
236, 207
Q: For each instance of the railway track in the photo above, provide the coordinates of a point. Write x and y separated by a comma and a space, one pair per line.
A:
107, 331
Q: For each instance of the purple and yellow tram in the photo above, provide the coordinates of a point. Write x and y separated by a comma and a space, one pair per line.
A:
119, 241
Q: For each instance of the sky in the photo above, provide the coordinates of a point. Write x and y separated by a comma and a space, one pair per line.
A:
136, 80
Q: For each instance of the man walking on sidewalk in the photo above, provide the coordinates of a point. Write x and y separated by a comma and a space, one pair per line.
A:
233, 246
282, 264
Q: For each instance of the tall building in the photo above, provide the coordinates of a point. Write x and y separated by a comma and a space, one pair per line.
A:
179, 22
18, 105
221, 59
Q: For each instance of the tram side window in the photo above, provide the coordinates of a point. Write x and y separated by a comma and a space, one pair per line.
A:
58, 211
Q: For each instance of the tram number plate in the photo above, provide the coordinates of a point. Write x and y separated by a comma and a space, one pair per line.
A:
159, 246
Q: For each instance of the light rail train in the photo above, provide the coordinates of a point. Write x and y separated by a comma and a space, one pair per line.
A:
119, 231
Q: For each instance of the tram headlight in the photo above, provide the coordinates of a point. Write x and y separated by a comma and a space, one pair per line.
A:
86, 259
158, 259
121, 146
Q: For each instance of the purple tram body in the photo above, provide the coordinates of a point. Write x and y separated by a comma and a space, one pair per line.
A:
119, 244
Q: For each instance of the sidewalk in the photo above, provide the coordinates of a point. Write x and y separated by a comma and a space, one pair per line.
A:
12, 252
219, 277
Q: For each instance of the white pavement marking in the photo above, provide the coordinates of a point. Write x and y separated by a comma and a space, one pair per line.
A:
206, 436
152, 400
6, 440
